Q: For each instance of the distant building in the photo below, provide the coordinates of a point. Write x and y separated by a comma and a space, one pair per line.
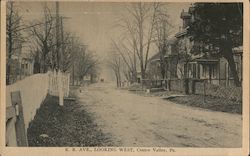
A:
171, 58
21, 67
27, 66
139, 77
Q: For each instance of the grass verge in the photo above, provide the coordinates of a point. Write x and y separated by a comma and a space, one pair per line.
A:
207, 102
211, 103
68, 125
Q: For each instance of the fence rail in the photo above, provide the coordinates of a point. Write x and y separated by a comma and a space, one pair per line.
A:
54, 85
206, 87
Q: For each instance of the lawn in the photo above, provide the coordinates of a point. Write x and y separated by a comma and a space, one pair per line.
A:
209, 102
206, 102
68, 125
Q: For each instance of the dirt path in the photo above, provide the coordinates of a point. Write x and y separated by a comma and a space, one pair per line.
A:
134, 120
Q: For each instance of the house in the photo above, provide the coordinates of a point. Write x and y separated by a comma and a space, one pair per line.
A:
138, 76
27, 65
184, 45
171, 59
22, 66
153, 71
215, 69
198, 65
182, 62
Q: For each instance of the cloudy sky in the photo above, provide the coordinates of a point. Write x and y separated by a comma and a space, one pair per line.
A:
93, 22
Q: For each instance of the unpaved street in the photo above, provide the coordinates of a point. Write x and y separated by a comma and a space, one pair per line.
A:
134, 120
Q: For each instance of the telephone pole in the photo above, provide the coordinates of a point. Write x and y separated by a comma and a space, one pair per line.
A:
57, 37
62, 44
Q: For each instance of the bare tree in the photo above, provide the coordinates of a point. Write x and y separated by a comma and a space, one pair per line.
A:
86, 63
44, 40
115, 64
68, 51
162, 32
129, 59
139, 26
46, 53
14, 38
184, 58
75, 49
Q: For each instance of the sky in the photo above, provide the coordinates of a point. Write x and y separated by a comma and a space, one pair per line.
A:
93, 22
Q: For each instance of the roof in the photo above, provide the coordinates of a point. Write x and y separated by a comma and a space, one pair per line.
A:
24, 57
238, 49
172, 40
205, 59
156, 57
191, 9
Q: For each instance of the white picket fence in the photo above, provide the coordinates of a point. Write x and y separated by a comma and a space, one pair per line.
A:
33, 90
58, 82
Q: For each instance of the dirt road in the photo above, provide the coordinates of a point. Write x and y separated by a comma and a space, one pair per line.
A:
134, 120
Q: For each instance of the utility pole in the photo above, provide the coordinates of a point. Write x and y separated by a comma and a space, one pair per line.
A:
46, 32
59, 74
73, 74
57, 37
62, 44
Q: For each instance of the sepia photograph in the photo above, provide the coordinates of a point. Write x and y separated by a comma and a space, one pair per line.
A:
124, 74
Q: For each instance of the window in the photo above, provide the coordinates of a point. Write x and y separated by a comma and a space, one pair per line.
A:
194, 71
214, 71
207, 70
190, 72
204, 71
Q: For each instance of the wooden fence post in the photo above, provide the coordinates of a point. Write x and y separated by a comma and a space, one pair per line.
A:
204, 92
21, 136
193, 86
10, 138
68, 76
60, 87
169, 85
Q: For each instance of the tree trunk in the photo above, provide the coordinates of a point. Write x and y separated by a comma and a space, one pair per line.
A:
140, 23
232, 66
43, 63
228, 54
8, 74
73, 75
163, 73
134, 76
135, 68
210, 74
163, 64
117, 80
9, 45
119, 77
142, 75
